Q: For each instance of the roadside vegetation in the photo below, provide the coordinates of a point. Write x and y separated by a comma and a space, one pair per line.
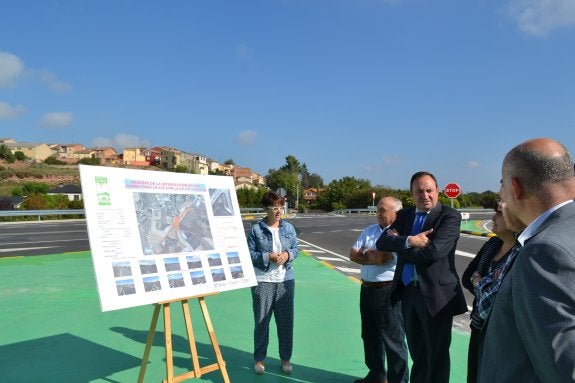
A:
20, 177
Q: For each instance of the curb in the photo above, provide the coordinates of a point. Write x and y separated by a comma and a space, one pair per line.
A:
478, 233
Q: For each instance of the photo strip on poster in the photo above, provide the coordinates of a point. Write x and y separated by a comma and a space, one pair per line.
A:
158, 236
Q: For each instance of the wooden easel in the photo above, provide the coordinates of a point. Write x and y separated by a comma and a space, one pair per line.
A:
197, 371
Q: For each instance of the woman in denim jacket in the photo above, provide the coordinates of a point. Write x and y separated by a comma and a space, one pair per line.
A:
273, 247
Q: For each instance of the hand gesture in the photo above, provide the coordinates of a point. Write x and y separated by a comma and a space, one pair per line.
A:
420, 240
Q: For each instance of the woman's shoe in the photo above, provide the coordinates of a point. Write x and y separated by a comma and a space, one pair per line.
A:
286, 367
259, 368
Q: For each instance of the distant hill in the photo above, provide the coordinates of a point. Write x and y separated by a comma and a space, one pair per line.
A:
15, 174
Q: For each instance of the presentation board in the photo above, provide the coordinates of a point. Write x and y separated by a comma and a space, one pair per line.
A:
157, 236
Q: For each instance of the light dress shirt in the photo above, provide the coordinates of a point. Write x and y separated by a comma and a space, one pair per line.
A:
275, 273
533, 226
367, 240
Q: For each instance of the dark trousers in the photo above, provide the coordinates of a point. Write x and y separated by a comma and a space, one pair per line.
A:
428, 338
473, 355
383, 336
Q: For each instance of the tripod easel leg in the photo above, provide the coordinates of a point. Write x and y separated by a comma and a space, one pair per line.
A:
149, 343
197, 371
168, 337
211, 332
191, 339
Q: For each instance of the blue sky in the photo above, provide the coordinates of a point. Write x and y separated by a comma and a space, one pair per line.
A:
374, 89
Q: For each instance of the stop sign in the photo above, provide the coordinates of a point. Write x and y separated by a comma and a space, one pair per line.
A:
452, 190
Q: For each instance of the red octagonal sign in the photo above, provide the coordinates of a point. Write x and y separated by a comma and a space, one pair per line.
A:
452, 190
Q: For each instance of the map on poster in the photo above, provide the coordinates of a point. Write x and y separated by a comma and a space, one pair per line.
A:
158, 236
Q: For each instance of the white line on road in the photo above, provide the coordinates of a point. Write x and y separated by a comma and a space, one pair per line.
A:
25, 248
348, 270
326, 250
330, 259
464, 254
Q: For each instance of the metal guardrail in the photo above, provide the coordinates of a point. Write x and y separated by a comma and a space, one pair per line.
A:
465, 213
353, 211
257, 212
40, 213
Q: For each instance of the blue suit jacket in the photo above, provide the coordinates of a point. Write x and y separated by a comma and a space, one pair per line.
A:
530, 333
435, 264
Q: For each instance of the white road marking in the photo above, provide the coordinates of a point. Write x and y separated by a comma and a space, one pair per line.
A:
326, 250
330, 259
348, 270
25, 248
464, 254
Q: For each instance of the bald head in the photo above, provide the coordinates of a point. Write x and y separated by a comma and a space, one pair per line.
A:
539, 164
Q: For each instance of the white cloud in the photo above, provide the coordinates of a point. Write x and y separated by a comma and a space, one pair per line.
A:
51, 80
247, 137
7, 111
57, 119
120, 141
472, 164
11, 69
540, 17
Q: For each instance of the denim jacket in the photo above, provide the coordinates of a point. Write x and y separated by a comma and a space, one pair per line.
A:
260, 243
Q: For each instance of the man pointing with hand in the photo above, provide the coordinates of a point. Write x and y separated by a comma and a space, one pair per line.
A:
426, 281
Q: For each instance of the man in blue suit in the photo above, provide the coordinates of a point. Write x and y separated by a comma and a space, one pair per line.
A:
530, 334
425, 280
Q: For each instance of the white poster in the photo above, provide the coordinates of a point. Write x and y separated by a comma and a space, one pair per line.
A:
157, 236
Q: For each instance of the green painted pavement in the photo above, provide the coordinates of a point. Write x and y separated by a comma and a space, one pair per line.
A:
53, 329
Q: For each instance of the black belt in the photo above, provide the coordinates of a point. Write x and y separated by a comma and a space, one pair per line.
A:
376, 284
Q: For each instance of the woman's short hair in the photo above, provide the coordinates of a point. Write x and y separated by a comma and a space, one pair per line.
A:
272, 198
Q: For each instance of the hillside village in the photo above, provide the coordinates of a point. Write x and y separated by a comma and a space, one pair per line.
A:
163, 157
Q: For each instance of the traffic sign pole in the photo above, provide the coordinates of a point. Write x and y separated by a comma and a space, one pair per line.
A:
452, 190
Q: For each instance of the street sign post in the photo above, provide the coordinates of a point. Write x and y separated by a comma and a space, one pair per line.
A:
452, 190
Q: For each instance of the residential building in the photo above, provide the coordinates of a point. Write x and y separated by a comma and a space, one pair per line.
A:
136, 157
73, 192
35, 151
107, 155
65, 152
310, 195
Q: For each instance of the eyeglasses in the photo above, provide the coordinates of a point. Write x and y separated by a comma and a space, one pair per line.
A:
275, 208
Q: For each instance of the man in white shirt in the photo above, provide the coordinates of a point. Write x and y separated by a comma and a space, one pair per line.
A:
381, 321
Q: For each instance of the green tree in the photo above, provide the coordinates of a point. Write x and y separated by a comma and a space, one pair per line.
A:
181, 169
29, 188
6, 154
57, 201
89, 161
339, 194
76, 204
250, 197
19, 156
35, 201
54, 161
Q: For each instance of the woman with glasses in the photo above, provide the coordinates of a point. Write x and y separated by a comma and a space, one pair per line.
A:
273, 247
482, 271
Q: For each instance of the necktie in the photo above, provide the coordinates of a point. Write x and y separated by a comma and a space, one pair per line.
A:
409, 268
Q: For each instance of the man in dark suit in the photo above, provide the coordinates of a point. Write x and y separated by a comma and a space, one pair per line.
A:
530, 333
425, 280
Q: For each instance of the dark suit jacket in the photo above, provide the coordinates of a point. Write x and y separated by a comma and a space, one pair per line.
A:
435, 264
530, 335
